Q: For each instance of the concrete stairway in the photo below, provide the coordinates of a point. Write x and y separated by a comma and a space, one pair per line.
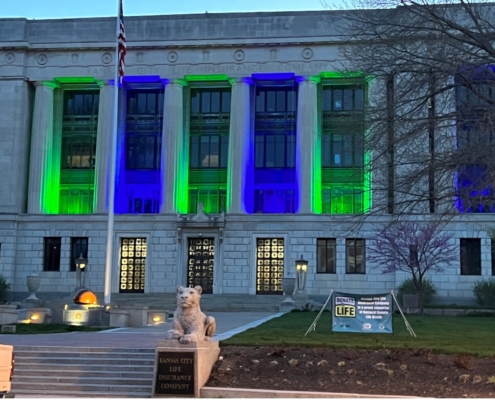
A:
82, 372
167, 301
209, 302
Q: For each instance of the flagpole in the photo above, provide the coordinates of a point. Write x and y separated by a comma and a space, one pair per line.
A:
111, 184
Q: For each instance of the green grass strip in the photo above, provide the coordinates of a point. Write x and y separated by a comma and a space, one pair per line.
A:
442, 334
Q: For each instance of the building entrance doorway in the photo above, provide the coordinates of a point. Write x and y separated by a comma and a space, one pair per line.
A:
132, 265
200, 262
269, 266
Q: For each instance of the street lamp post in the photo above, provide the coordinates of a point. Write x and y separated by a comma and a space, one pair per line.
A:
301, 273
81, 264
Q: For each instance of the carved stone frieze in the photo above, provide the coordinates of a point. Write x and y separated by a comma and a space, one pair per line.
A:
9, 58
239, 55
200, 220
106, 58
172, 56
307, 53
42, 59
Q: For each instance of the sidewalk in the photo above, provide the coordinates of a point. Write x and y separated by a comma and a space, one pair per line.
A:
228, 324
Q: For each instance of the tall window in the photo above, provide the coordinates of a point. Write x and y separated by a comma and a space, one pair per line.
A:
275, 139
470, 256
209, 123
343, 125
274, 200
275, 119
355, 256
475, 140
209, 139
51, 253
209, 151
326, 252
79, 128
342, 147
144, 129
78, 247
80, 122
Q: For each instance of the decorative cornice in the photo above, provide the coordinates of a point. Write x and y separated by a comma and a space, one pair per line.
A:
50, 84
311, 79
234, 81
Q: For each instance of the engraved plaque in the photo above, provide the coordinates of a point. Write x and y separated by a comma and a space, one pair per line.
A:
174, 373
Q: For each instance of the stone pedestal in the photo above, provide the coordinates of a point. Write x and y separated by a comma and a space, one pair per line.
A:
82, 314
119, 318
39, 315
301, 298
156, 317
181, 370
138, 315
8, 314
288, 286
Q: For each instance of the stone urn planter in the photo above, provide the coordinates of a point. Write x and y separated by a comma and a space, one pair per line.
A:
288, 286
33, 283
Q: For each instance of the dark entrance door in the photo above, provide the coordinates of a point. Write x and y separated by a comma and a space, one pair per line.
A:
200, 261
270, 266
132, 265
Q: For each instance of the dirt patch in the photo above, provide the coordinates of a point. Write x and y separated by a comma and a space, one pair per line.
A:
401, 372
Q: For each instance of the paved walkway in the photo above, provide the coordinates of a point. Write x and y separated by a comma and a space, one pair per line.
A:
228, 324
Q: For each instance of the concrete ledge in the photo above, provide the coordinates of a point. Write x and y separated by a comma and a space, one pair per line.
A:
39, 315
447, 311
158, 316
215, 392
9, 314
119, 318
138, 315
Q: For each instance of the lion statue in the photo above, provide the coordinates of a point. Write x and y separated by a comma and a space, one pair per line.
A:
190, 324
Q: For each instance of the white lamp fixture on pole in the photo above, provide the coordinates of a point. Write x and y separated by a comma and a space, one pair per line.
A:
301, 273
81, 264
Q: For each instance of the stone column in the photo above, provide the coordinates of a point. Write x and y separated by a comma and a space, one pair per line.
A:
174, 158
103, 147
239, 145
308, 164
41, 142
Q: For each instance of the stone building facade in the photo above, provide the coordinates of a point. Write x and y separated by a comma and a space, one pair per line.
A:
239, 151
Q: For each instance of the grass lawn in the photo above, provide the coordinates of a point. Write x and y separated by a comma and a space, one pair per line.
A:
52, 328
448, 335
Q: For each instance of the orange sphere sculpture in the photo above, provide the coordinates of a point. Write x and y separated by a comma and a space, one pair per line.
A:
85, 296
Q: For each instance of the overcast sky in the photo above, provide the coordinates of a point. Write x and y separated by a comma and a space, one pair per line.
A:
42, 9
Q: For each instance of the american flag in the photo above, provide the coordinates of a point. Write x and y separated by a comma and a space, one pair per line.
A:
121, 43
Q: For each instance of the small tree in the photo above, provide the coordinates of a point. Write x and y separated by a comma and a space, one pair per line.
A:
415, 248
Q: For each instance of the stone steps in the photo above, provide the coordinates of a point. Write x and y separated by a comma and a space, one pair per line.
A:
93, 355
83, 372
87, 381
167, 301
69, 393
78, 360
222, 302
